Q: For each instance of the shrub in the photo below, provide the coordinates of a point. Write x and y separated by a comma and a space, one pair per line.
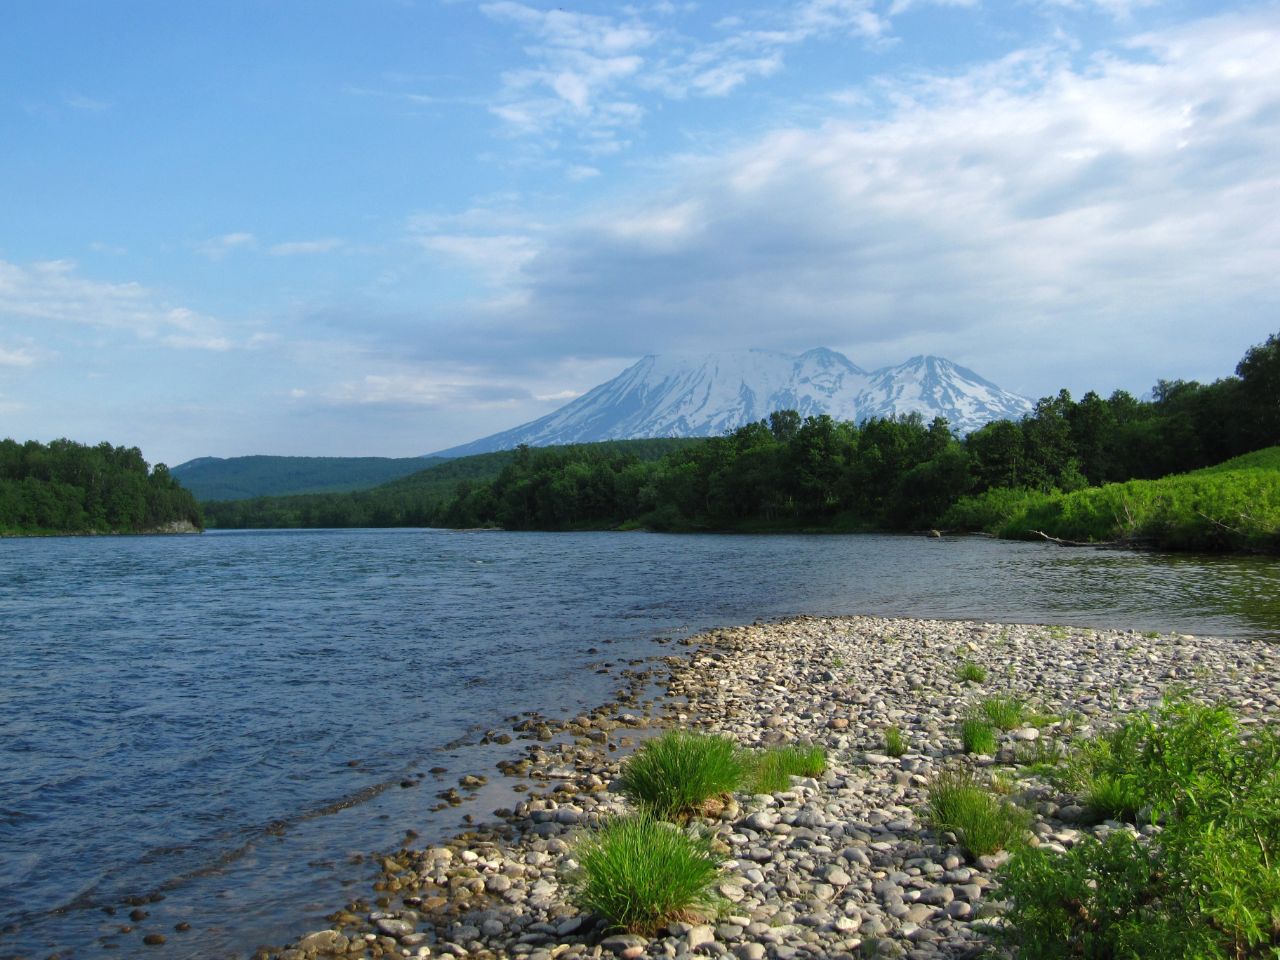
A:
1003, 712
1208, 887
773, 769
894, 744
1106, 770
982, 822
673, 775
639, 874
978, 737
1092, 903
970, 672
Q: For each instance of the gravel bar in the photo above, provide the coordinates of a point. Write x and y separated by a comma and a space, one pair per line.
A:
843, 865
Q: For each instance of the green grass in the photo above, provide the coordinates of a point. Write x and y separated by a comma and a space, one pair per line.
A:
1233, 506
772, 769
971, 672
1003, 712
1209, 887
674, 775
640, 874
982, 822
978, 736
894, 743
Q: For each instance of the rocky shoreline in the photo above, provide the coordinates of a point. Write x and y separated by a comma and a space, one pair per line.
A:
838, 866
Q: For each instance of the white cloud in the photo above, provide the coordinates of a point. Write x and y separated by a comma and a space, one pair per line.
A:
1085, 210
1119, 9
78, 101
216, 248
53, 292
24, 354
295, 248
591, 72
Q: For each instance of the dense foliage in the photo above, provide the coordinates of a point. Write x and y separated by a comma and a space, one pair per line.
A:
1206, 884
1205, 510
242, 478
412, 501
1050, 472
67, 487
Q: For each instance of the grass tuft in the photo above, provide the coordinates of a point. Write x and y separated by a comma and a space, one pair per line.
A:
970, 672
1003, 712
982, 822
978, 737
895, 745
672, 776
773, 769
640, 874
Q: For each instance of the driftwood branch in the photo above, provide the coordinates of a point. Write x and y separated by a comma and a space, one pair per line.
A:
1083, 543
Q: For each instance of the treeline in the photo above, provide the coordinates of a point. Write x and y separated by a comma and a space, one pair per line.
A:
68, 487
814, 473
413, 501
896, 474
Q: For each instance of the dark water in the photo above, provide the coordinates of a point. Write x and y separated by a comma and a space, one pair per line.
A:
219, 718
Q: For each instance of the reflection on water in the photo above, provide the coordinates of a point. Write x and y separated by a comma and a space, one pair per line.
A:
226, 718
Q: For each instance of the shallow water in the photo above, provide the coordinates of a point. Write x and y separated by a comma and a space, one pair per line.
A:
226, 719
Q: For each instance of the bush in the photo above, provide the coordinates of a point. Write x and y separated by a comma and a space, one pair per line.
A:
674, 775
640, 874
982, 822
1092, 902
978, 737
773, 769
1207, 887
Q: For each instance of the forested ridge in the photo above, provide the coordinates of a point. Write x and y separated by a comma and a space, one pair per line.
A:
68, 487
815, 473
243, 478
412, 501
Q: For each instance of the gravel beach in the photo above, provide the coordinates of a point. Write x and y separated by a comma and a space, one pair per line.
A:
842, 865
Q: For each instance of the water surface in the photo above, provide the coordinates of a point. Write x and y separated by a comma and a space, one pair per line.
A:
226, 719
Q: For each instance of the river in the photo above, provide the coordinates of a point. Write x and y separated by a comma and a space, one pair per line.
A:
226, 720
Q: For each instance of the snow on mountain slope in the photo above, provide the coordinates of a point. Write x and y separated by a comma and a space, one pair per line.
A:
711, 394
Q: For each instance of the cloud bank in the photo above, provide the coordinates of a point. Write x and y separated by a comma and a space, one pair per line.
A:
1034, 205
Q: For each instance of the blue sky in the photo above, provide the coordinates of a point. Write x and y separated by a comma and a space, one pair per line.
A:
383, 227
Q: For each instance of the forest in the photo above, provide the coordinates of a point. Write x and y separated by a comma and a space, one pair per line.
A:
68, 487
815, 473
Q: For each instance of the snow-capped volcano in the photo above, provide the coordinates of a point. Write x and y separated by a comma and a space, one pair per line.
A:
678, 395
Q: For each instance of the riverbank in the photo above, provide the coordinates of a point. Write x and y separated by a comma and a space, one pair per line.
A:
838, 865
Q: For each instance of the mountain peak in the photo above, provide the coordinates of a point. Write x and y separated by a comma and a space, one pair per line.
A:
694, 395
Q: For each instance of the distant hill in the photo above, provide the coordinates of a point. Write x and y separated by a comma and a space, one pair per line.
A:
711, 394
242, 478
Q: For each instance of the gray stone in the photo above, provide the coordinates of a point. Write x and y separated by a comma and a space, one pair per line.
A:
392, 927
330, 941
698, 935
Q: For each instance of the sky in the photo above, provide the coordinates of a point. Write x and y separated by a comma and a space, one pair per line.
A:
385, 227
